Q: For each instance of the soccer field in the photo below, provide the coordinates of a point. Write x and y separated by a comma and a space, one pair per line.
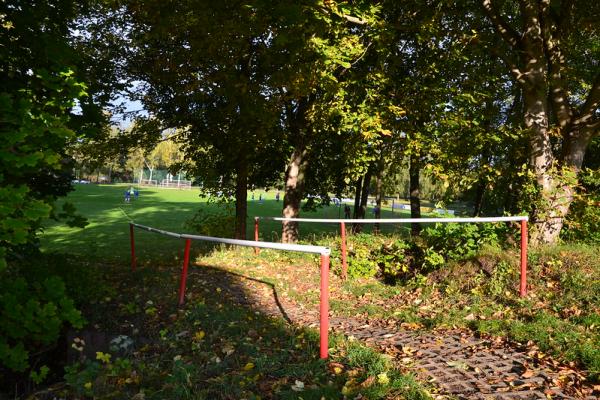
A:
107, 234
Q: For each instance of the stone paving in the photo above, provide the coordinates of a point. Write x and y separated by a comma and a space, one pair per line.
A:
460, 364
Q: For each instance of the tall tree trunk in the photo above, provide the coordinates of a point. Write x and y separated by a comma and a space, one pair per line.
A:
479, 195
294, 190
378, 192
554, 205
357, 196
415, 193
363, 197
241, 198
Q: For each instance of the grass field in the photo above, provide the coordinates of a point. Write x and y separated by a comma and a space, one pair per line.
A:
213, 347
559, 317
107, 235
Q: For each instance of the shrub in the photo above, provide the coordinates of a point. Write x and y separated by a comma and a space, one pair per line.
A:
32, 315
460, 241
361, 263
583, 223
217, 219
398, 259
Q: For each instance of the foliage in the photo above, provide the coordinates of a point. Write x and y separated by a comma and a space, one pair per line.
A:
360, 262
397, 260
33, 314
215, 221
461, 241
583, 224
370, 256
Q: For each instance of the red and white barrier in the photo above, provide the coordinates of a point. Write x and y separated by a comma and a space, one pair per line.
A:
324, 252
521, 218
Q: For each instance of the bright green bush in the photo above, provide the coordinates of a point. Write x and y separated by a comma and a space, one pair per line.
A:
406, 258
460, 241
361, 263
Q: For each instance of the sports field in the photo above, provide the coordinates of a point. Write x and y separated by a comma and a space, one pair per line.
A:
107, 236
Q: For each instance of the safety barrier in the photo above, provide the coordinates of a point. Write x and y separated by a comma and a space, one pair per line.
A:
323, 251
522, 219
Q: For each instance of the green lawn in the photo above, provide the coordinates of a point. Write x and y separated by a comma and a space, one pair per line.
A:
107, 236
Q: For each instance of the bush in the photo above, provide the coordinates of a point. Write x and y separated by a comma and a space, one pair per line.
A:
459, 241
217, 219
397, 260
361, 264
583, 223
32, 315
404, 259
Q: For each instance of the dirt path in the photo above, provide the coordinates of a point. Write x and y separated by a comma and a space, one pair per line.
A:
462, 365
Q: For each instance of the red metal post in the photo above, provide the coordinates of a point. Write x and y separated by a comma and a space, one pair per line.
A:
344, 259
133, 260
523, 286
324, 311
256, 249
184, 271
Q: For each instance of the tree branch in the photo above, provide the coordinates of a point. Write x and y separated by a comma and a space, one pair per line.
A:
510, 64
591, 104
506, 32
349, 18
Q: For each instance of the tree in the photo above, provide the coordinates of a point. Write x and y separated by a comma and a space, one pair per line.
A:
40, 85
202, 64
550, 48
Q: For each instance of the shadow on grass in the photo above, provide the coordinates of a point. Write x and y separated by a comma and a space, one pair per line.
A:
228, 341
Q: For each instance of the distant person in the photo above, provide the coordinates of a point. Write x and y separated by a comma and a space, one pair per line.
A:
260, 198
136, 193
346, 211
252, 196
277, 196
376, 211
127, 196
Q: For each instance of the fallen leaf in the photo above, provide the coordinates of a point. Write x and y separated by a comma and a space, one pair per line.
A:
298, 386
527, 374
470, 317
458, 365
383, 378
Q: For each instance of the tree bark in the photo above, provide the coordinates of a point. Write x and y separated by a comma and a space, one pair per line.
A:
294, 190
241, 198
378, 193
479, 195
364, 198
357, 197
415, 193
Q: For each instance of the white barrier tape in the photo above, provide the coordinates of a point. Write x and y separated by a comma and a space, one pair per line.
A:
247, 243
400, 220
265, 245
